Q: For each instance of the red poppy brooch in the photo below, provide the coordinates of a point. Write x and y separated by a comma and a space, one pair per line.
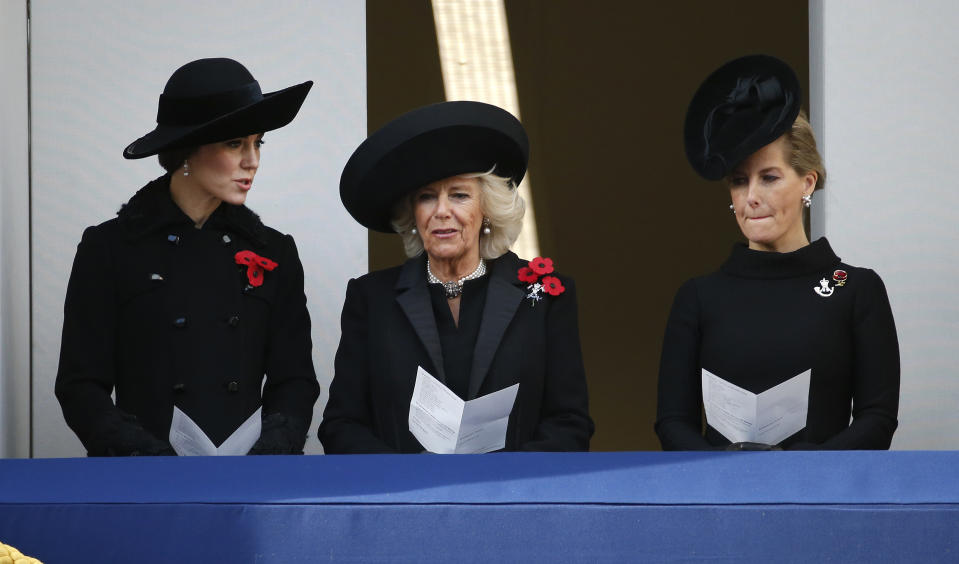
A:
255, 265
540, 266
838, 279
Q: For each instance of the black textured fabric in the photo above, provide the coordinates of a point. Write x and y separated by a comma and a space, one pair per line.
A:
759, 321
740, 108
459, 341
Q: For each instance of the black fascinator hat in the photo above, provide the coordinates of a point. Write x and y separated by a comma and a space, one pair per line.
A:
426, 145
740, 108
210, 100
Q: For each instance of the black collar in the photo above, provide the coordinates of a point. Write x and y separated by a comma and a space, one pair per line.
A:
152, 208
747, 263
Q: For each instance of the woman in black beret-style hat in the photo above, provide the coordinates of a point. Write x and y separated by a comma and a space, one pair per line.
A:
186, 301
784, 342
464, 308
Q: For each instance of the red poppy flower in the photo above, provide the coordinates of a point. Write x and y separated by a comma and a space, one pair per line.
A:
245, 257
266, 263
839, 277
527, 275
552, 285
541, 265
255, 265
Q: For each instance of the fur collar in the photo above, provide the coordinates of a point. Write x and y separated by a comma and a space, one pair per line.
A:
152, 208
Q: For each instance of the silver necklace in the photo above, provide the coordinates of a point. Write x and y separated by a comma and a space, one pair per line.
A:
455, 288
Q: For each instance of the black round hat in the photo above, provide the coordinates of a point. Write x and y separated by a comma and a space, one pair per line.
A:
426, 145
210, 100
740, 108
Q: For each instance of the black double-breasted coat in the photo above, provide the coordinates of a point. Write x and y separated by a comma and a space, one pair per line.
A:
389, 329
160, 312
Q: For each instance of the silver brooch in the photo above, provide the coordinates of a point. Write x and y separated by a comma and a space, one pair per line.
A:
823, 288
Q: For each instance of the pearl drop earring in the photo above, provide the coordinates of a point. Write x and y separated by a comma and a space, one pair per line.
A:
413, 231
732, 208
486, 226
186, 168
807, 200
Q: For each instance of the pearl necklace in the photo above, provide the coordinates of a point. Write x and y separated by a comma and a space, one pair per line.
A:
455, 288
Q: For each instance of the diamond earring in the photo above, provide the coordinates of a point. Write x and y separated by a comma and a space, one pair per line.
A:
186, 168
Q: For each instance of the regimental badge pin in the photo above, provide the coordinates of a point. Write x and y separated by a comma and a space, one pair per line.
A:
839, 277
823, 288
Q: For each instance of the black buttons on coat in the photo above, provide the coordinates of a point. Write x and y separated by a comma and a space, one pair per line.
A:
233, 386
233, 320
179, 387
179, 322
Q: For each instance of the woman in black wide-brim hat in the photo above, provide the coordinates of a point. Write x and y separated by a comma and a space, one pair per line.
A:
780, 307
186, 301
463, 307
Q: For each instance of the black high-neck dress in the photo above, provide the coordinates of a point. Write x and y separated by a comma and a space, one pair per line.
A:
458, 341
765, 317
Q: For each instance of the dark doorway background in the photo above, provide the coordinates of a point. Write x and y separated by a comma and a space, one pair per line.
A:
603, 88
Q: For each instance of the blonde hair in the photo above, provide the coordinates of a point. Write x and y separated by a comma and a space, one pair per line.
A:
500, 202
803, 155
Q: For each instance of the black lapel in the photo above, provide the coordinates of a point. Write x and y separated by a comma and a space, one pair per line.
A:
503, 296
414, 297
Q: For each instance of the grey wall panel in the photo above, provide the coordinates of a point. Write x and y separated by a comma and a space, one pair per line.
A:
14, 234
98, 68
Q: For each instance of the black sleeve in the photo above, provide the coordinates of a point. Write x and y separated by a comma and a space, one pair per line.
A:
347, 426
875, 373
679, 404
291, 388
86, 373
565, 424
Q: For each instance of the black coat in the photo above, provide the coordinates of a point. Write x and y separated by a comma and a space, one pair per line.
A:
160, 311
389, 329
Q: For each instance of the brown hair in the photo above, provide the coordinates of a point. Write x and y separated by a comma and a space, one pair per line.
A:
173, 159
803, 155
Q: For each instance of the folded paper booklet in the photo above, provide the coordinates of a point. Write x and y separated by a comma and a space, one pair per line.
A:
769, 417
188, 439
445, 424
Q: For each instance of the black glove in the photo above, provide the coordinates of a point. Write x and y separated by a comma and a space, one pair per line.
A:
122, 435
752, 446
280, 434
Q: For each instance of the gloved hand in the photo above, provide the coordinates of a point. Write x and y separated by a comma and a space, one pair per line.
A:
752, 446
280, 434
122, 435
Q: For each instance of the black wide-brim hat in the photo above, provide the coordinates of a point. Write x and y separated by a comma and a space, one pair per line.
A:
740, 108
211, 100
429, 144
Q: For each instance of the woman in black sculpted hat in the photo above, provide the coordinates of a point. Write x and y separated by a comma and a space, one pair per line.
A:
782, 315
186, 301
464, 308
